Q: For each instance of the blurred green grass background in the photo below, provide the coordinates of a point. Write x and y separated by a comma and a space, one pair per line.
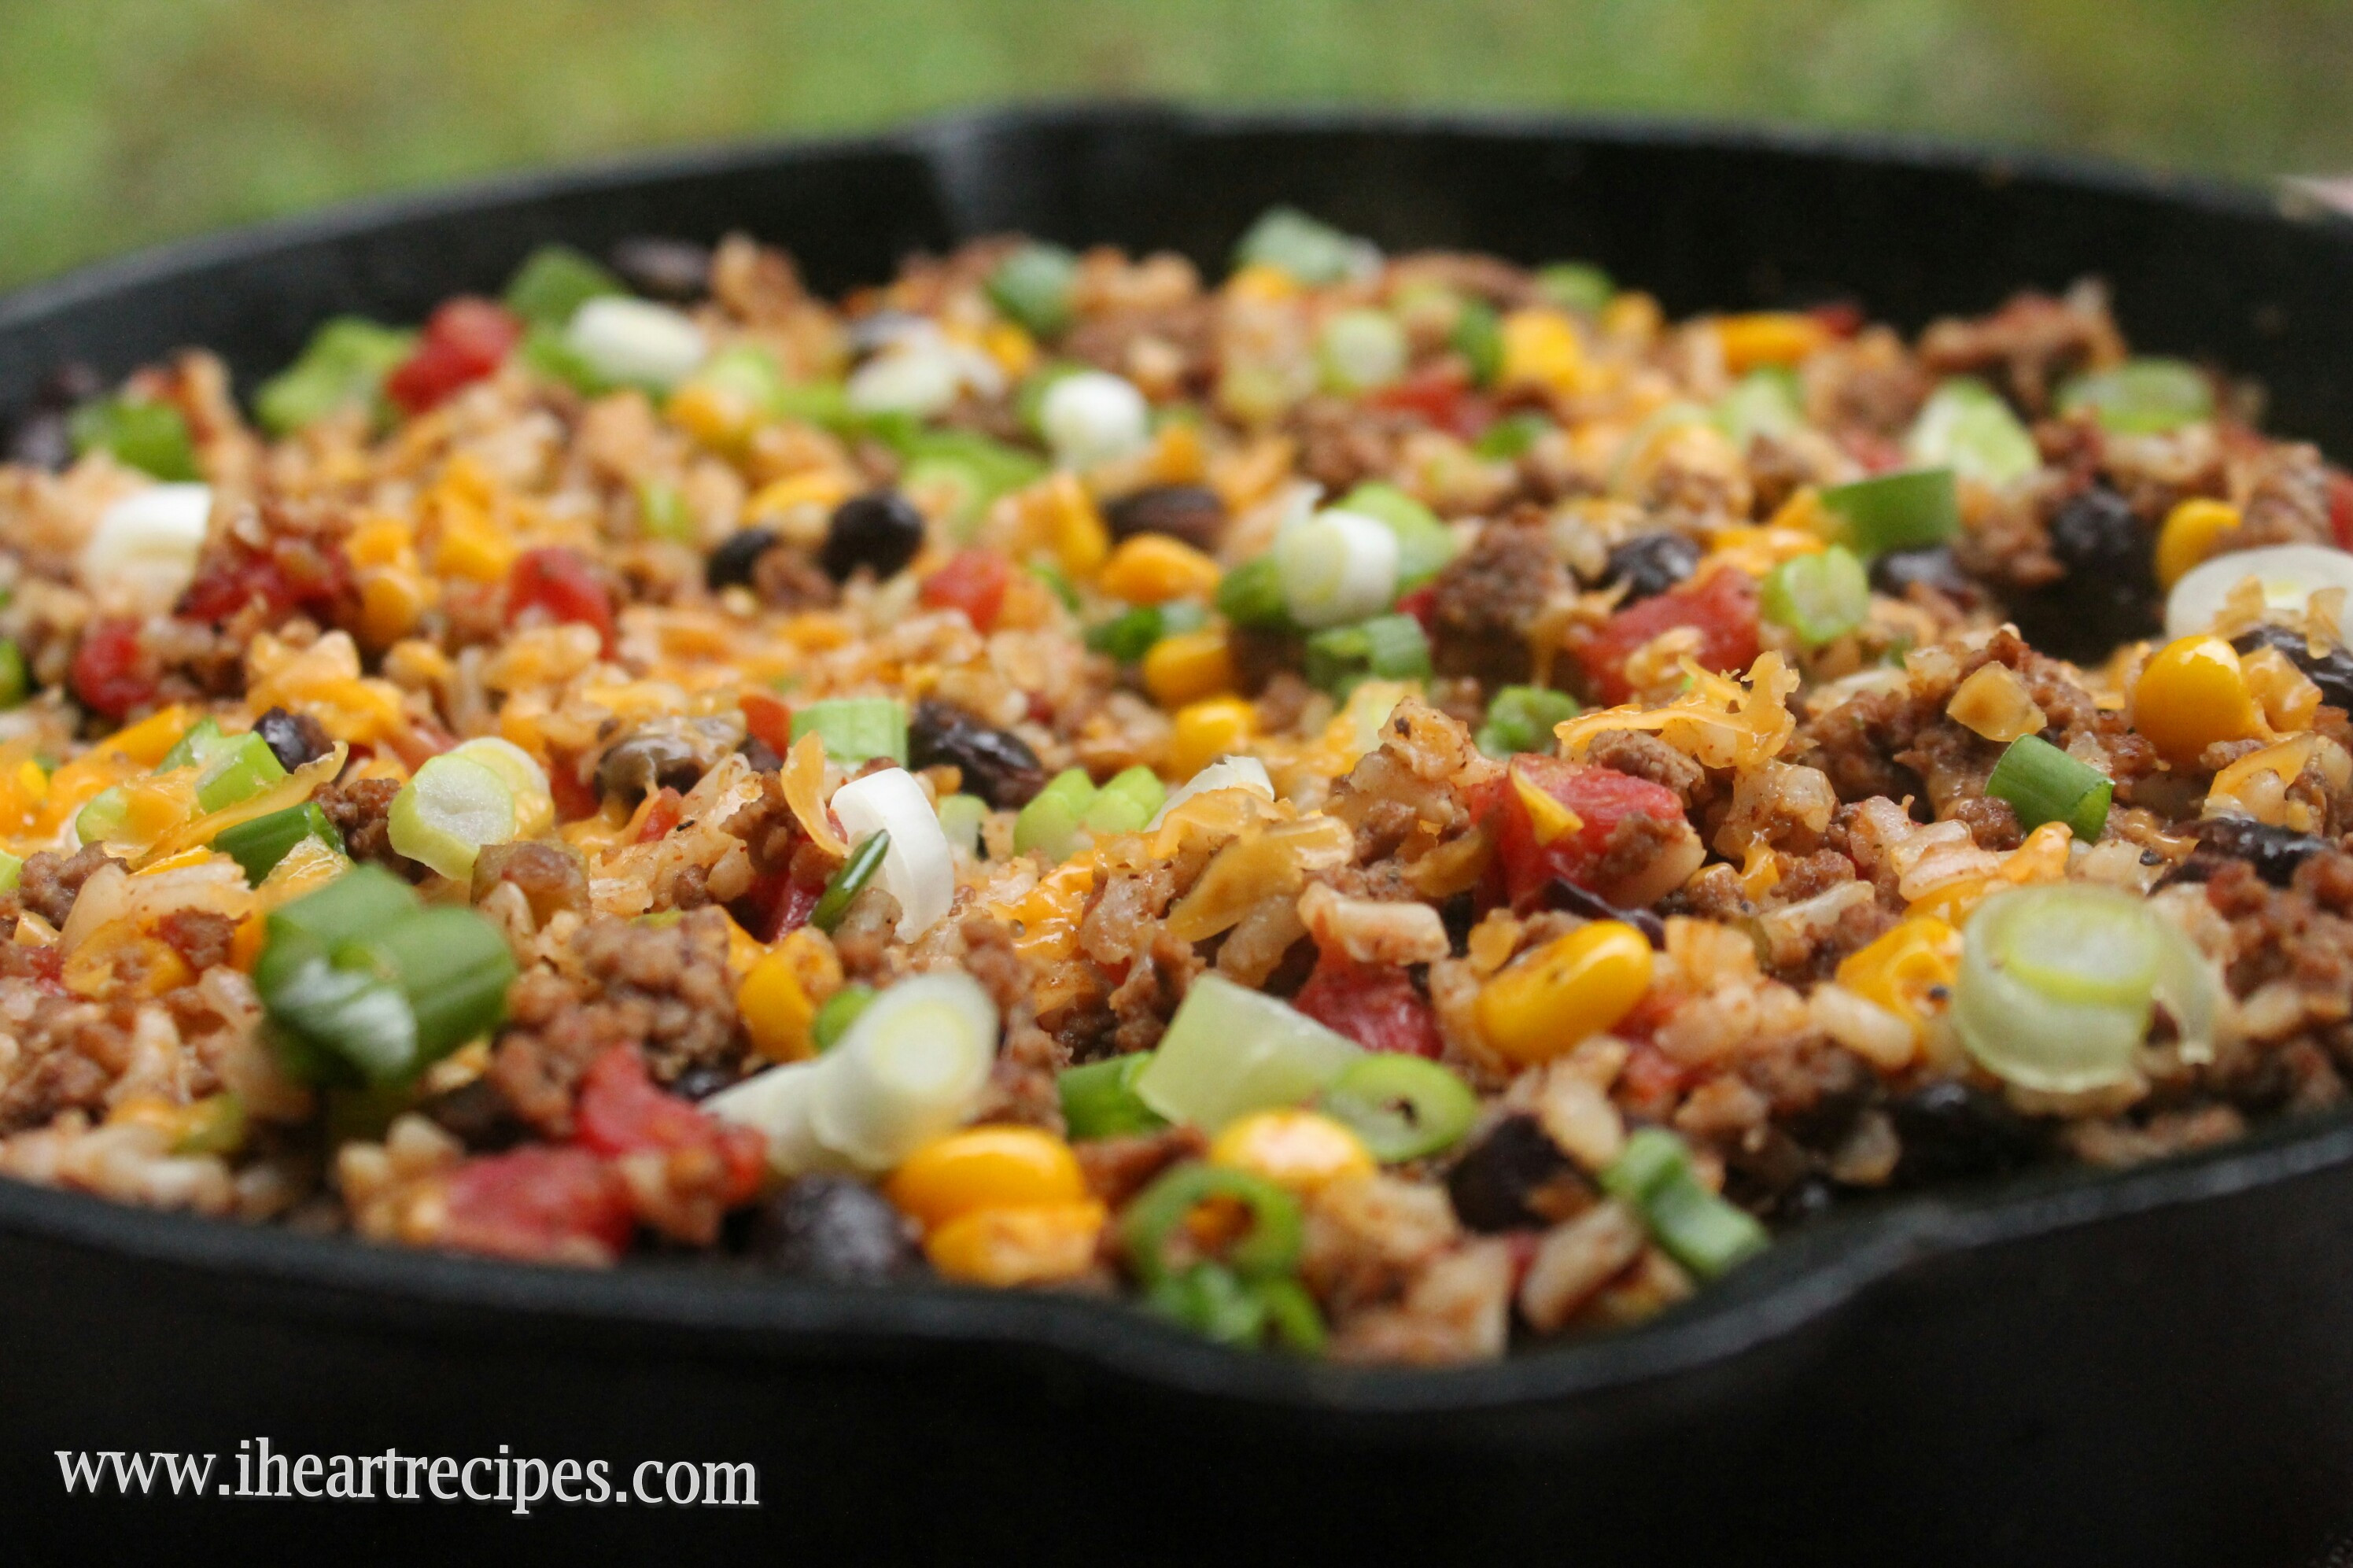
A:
124, 122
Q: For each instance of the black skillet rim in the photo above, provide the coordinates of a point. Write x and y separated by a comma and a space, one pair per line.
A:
1804, 1281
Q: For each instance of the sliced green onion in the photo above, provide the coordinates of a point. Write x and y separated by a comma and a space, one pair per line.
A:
1032, 286
1052, 820
548, 354
988, 468
2141, 397
918, 867
1478, 337
1403, 1108
1575, 286
16, 681
1512, 435
242, 770
343, 366
1156, 1233
2044, 784
1099, 1100
554, 282
637, 342
848, 882
2058, 984
12, 871
855, 729
1092, 417
1314, 253
258, 845
1906, 511
1337, 567
453, 966
838, 1013
1387, 647
1251, 594
1128, 637
1424, 544
1521, 718
364, 899
1209, 1299
663, 512
1965, 425
1361, 349
446, 814
151, 437
960, 820
329, 1023
1820, 597
1699, 1230
1125, 802
102, 820
910, 1068
745, 373
1765, 402
203, 742
1229, 1051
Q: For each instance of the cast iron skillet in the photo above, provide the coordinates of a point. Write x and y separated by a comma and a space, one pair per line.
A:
2150, 1367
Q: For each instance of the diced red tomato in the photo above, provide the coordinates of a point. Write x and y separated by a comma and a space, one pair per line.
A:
778, 903
1376, 1005
538, 1203
621, 1111
973, 581
1422, 605
770, 720
293, 574
2340, 507
464, 341
1721, 606
560, 584
110, 673
661, 816
1442, 395
1598, 800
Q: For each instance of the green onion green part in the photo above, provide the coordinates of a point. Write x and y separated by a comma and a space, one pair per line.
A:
1052, 820
1965, 425
1424, 544
1154, 1226
16, 681
1387, 647
1251, 594
2044, 784
1032, 286
855, 729
838, 1013
554, 282
240, 770
1575, 286
1906, 511
151, 437
663, 512
1706, 1235
2141, 397
203, 742
1099, 1100
343, 366
258, 845
1820, 597
1124, 803
1521, 718
1314, 253
1510, 436
1478, 337
850, 881
1403, 1108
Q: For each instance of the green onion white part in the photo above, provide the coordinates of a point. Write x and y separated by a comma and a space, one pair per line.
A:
2290, 575
919, 869
1229, 1051
636, 342
1361, 349
1965, 425
148, 543
1091, 417
921, 378
449, 812
1336, 567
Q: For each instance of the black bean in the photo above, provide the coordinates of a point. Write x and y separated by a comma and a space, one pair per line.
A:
997, 765
2275, 853
1894, 573
1191, 512
293, 738
836, 1229
476, 1115
1952, 1131
2332, 671
662, 268
1514, 1177
649, 760
759, 754
730, 566
1562, 894
1651, 564
2109, 594
880, 530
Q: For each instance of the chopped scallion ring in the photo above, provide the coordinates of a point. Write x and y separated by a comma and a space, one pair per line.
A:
453, 807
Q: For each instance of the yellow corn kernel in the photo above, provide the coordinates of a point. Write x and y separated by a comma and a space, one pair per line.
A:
984, 1168
1633, 315
2192, 531
1153, 569
2287, 695
1187, 667
1301, 1150
1905, 969
778, 1013
1074, 527
1015, 351
2191, 695
821, 487
1262, 280
1541, 349
1208, 730
1178, 456
391, 602
716, 416
1767, 338
1573, 986
379, 542
1040, 1245
469, 546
